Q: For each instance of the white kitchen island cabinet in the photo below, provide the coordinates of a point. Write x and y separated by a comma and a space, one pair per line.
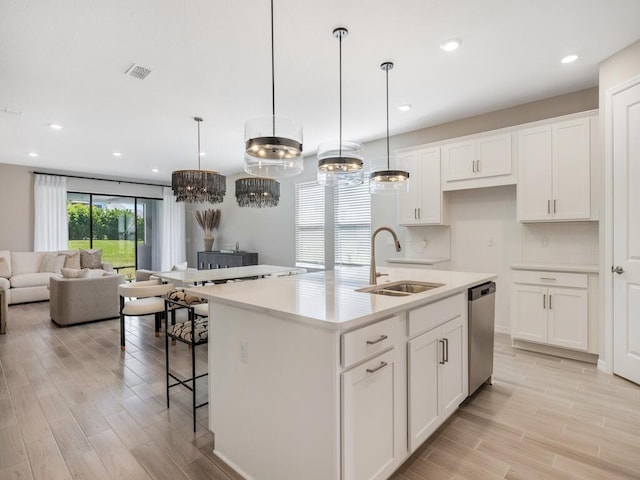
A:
308, 377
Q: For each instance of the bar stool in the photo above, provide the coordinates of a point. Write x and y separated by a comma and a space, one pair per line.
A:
193, 332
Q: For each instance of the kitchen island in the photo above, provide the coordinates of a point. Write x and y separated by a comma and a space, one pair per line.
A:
310, 378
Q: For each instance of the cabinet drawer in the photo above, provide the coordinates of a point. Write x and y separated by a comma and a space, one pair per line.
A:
550, 278
430, 316
365, 342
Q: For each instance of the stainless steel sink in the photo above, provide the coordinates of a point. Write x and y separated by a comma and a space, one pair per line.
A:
401, 288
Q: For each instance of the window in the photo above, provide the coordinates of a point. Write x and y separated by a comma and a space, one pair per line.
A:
309, 225
350, 221
352, 214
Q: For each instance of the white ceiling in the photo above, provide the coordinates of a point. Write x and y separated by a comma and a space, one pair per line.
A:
64, 62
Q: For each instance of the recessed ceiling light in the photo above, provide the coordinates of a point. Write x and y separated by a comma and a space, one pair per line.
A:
33, 154
55, 126
404, 108
155, 170
569, 58
117, 154
451, 44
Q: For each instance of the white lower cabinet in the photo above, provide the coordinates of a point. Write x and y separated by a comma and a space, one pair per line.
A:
551, 308
371, 419
437, 385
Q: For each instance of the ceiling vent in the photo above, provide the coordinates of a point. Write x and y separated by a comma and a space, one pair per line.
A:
138, 71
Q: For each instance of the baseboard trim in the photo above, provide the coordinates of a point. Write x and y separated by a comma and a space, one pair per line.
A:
603, 366
502, 329
556, 351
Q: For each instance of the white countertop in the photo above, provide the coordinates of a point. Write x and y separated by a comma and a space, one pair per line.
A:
557, 267
329, 300
418, 261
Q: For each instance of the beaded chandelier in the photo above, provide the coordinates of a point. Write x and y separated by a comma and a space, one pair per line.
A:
258, 192
198, 186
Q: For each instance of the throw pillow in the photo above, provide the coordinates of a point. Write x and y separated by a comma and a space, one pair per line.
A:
90, 258
74, 273
72, 259
180, 267
52, 262
4, 268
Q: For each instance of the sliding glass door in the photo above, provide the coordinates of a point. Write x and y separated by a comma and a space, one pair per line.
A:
126, 229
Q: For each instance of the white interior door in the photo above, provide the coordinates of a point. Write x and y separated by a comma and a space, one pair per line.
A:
626, 233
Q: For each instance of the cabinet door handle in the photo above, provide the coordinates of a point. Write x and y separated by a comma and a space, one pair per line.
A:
547, 278
554, 206
477, 171
419, 214
544, 300
374, 370
548, 206
550, 296
441, 342
618, 269
373, 342
446, 350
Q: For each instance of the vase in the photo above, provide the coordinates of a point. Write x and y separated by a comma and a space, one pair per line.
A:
208, 243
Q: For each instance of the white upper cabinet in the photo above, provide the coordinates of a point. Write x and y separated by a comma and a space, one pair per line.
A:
422, 204
555, 172
466, 162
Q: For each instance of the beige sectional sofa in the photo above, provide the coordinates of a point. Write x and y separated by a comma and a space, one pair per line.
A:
22, 279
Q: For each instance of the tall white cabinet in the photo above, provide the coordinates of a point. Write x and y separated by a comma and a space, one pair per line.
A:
554, 165
422, 204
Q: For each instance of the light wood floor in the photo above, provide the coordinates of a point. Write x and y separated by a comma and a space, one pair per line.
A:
73, 406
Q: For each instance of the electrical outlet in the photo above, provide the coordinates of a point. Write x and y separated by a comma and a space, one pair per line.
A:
244, 351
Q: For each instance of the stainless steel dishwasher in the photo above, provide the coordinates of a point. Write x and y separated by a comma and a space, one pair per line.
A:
481, 333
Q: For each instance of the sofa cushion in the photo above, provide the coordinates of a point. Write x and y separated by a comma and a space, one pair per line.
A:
72, 259
31, 279
26, 262
75, 273
5, 270
91, 258
6, 254
52, 262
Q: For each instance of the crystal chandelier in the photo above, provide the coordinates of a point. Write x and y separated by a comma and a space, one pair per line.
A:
340, 164
198, 186
258, 192
388, 181
273, 145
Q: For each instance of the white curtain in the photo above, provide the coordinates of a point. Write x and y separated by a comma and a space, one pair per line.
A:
173, 231
50, 231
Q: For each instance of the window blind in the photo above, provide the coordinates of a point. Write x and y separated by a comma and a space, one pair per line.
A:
352, 213
352, 225
309, 225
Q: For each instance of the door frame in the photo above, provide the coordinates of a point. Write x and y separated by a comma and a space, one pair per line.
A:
605, 361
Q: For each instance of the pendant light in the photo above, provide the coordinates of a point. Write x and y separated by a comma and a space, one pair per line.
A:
340, 164
258, 192
197, 186
388, 181
273, 145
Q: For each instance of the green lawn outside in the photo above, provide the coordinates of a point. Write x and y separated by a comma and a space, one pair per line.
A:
116, 252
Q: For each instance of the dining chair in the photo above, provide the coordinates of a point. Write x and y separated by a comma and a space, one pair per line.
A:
138, 299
